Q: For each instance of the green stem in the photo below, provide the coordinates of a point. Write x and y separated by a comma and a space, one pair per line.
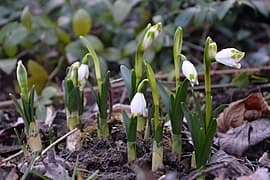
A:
103, 130
73, 119
157, 158
147, 130
138, 65
177, 145
140, 123
33, 138
177, 73
131, 150
207, 78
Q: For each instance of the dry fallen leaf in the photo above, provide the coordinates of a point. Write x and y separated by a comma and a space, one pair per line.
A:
234, 169
251, 108
259, 174
238, 140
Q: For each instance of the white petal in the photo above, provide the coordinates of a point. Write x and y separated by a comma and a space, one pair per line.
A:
83, 72
190, 72
138, 104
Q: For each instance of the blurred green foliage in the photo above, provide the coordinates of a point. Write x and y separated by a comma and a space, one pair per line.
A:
46, 31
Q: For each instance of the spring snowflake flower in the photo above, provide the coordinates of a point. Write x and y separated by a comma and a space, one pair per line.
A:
151, 35
190, 72
138, 104
230, 57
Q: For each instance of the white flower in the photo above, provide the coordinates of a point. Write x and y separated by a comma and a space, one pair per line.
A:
83, 72
138, 104
151, 34
230, 57
190, 72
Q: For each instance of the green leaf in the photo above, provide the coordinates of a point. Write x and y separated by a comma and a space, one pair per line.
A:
63, 36
121, 9
48, 92
39, 76
8, 65
10, 49
81, 22
165, 96
184, 17
74, 99
126, 75
49, 37
17, 35
75, 50
200, 16
112, 54
126, 120
7, 29
130, 48
18, 107
224, 7
218, 110
262, 7
241, 80
93, 42
26, 18
131, 131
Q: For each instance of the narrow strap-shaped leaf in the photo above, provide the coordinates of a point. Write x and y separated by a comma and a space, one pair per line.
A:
131, 132
19, 108
126, 75
218, 110
31, 103
126, 120
165, 96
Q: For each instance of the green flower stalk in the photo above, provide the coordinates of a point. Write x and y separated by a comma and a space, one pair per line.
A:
203, 124
177, 48
157, 157
26, 110
103, 89
172, 100
137, 107
73, 98
149, 35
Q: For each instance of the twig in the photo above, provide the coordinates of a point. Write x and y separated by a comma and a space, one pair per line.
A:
11, 157
207, 170
44, 151
56, 70
56, 142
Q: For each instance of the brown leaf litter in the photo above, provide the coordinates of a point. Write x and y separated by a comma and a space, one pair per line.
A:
243, 123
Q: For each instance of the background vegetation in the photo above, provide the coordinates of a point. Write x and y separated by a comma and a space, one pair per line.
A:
46, 33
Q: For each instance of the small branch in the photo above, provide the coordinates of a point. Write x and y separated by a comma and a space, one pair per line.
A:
56, 70
44, 151
207, 170
56, 142
10, 157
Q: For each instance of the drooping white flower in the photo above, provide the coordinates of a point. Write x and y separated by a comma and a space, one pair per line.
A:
151, 34
83, 72
190, 72
230, 57
138, 104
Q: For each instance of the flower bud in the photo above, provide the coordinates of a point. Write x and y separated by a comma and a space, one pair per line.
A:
190, 72
22, 79
212, 51
230, 57
151, 34
83, 74
138, 104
